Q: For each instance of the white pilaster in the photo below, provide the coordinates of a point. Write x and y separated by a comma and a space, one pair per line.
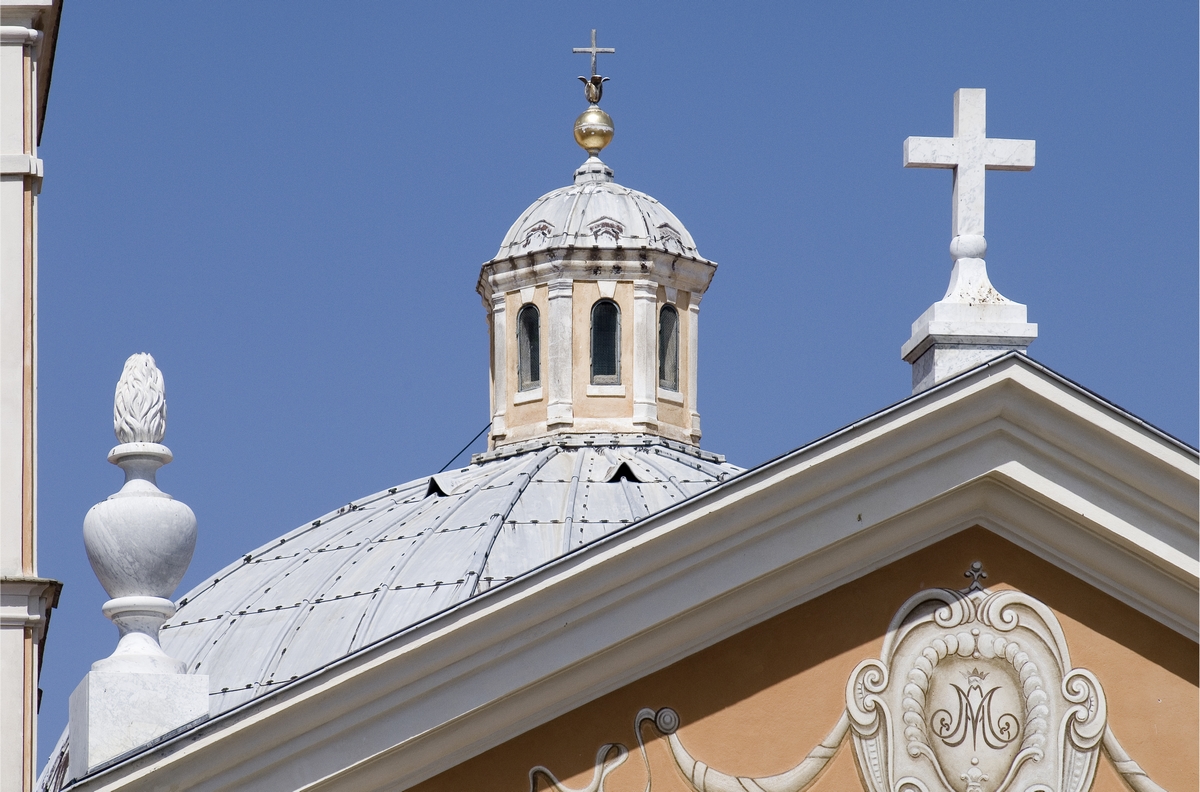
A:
27, 32
645, 353
499, 366
693, 359
560, 410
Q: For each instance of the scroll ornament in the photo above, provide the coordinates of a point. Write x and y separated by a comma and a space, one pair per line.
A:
973, 692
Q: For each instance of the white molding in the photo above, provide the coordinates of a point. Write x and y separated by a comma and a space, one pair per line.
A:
560, 409
1007, 447
693, 359
606, 390
499, 365
20, 165
505, 275
645, 352
675, 397
525, 397
18, 34
25, 602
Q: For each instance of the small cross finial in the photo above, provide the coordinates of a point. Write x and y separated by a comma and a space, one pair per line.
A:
593, 87
976, 574
593, 51
970, 153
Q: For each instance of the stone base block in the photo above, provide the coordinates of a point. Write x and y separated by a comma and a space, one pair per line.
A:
114, 712
943, 361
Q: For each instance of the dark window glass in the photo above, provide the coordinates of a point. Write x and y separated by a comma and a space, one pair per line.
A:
529, 350
668, 348
606, 343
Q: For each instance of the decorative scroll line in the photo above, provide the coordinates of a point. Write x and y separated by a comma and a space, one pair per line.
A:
604, 766
703, 778
700, 776
1130, 771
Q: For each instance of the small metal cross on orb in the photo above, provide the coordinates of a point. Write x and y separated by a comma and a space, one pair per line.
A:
593, 51
593, 87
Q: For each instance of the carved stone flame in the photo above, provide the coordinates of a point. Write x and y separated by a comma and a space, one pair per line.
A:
140, 406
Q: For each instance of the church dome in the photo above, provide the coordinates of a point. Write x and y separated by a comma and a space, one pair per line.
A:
390, 560
596, 212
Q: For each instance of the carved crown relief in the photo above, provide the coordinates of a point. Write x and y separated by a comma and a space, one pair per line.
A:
670, 238
606, 227
538, 234
973, 692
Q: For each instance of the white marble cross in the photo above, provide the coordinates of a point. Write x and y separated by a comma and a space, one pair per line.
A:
970, 153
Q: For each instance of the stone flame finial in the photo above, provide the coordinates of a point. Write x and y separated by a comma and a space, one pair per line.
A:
140, 406
139, 541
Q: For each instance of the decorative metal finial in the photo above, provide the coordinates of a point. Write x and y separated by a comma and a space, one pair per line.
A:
594, 127
593, 87
976, 574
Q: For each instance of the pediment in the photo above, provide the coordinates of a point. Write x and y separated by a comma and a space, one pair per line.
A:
1010, 449
923, 675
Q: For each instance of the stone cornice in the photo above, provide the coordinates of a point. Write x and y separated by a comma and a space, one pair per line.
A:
680, 272
27, 601
1009, 446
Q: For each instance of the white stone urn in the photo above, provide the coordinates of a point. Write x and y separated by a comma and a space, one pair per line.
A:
140, 540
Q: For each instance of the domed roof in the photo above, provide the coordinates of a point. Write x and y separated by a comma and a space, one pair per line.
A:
392, 559
596, 212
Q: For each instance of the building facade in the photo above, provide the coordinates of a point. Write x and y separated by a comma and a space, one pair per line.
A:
991, 585
28, 32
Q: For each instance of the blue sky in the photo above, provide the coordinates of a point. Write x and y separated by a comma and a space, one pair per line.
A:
287, 205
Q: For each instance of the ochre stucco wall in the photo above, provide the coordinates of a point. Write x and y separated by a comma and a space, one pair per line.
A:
756, 703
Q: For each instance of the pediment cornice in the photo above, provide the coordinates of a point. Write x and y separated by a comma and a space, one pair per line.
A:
1010, 447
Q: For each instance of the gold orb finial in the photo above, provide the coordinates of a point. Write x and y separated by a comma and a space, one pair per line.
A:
593, 130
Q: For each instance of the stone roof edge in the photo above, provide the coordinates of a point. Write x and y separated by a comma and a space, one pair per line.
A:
691, 273
466, 679
596, 440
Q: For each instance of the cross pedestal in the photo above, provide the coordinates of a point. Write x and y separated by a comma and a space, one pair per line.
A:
973, 322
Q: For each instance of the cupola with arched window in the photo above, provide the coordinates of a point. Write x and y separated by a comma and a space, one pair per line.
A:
593, 305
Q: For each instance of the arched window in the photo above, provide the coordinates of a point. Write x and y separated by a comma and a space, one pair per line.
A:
606, 343
529, 349
668, 348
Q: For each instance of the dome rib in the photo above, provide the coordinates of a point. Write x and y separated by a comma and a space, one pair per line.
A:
401, 567
539, 461
388, 561
568, 517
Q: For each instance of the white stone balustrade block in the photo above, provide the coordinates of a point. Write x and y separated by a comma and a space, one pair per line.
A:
113, 712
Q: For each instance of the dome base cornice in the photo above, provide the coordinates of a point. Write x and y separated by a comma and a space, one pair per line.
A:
686, 273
